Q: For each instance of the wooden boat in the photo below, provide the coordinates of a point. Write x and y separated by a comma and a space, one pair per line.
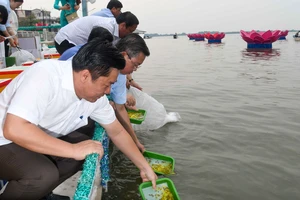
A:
296, 38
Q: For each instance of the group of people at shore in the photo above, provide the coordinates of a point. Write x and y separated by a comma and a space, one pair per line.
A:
45, 108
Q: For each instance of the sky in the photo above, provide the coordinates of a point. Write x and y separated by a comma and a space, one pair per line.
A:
190, 16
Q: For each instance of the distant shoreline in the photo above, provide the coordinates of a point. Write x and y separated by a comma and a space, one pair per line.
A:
180, 34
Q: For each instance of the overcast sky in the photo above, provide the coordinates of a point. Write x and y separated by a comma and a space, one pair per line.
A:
189, 16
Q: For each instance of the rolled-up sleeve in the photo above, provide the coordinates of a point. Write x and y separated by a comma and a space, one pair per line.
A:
2, 27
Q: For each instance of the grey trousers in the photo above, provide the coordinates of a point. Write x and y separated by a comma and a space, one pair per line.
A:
32, 175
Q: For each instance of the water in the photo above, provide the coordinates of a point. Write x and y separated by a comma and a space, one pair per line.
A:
239, 134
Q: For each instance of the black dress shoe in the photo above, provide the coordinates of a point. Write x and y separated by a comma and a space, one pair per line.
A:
52, 196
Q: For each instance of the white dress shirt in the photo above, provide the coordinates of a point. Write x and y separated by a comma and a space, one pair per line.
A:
44, 95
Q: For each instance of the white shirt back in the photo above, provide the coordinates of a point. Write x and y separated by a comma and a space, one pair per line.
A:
78, 31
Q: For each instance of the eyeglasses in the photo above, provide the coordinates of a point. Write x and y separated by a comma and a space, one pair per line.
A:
135, 65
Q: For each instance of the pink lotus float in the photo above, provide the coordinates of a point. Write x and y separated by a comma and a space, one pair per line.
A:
214, 38
191, 36
283, 34
260, 40
196, 36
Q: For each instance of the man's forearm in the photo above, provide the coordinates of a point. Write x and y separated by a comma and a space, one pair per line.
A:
5, 32
33, 138
10, 31
125, 143
123, 118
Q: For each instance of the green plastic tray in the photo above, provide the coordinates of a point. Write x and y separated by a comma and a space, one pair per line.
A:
148, 193
137, 121
159, 158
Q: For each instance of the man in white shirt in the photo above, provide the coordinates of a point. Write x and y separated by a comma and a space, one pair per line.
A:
42, 108
77, 32
134, 49
113, 9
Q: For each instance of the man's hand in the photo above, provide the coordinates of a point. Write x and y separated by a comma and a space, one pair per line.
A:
16, 41
2, 38
130, 102
149, 175
84, 148
12, 42
140, 146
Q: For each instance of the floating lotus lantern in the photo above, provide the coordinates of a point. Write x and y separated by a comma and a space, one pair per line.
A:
214, 38
199, 37
260, 40
283, 34
191, 36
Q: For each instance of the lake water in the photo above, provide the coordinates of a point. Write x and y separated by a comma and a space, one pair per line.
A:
239, 137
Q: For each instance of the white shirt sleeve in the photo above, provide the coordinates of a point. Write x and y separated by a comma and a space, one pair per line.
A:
104, 113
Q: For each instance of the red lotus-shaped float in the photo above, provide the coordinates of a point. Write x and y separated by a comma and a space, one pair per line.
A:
191, 36
257, 39
283, 34
214, 38
196, 36
254, 37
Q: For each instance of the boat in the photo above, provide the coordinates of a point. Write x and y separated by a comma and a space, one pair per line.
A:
147, 36
175, 36
296, 38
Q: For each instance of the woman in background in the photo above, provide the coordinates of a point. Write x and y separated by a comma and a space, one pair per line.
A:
67, 7
6, 29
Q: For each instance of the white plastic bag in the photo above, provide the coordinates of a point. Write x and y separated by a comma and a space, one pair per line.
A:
2, 56
22, 56
156, 115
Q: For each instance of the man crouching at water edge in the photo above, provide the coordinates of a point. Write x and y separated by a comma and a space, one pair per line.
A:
42, 108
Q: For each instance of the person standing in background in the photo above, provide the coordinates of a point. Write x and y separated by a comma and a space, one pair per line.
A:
113, 9
3, 18
6, 30
67, 7
77, 32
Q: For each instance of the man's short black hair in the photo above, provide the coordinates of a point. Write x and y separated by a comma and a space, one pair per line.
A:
100, 32
127, 17
3, 14
99, 58
114, 4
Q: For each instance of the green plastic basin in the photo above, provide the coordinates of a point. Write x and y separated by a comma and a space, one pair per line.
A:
148, 193
140, 119
160, 159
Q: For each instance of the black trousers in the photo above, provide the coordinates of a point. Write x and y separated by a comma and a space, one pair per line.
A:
32, 175
5, 45
62, 47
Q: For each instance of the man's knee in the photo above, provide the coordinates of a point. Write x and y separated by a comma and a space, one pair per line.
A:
34, 185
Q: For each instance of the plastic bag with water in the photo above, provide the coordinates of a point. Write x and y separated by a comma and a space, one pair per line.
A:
22, 56
156, 116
